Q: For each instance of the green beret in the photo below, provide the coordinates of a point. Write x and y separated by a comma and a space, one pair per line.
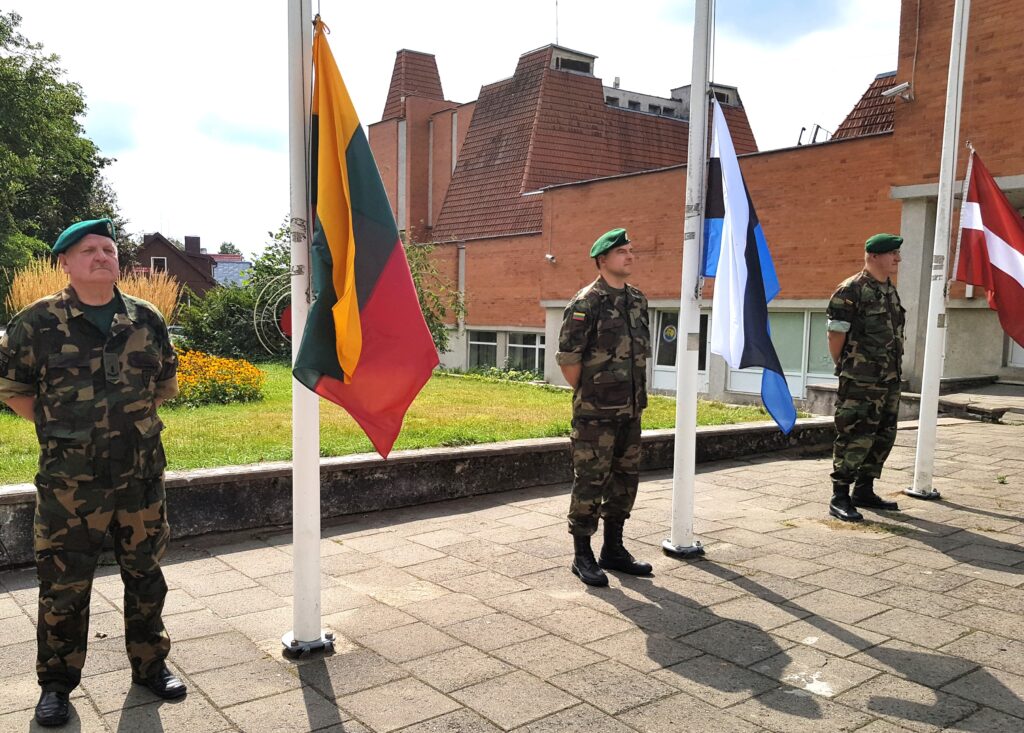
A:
609, 240
882, 243
71, 235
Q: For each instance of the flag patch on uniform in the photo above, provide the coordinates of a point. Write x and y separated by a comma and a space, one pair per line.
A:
577, 316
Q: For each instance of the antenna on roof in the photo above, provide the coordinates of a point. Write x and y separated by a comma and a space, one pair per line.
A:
556, 22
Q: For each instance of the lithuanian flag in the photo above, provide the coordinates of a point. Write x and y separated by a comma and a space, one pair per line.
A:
366, 346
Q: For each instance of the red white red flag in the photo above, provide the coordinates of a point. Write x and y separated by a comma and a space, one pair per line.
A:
992, 248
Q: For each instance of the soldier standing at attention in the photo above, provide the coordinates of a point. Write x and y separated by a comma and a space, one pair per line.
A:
89, 366
865, 338
602, 351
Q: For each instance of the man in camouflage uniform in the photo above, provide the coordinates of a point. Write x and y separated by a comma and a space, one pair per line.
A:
89, 366
865, 338
602, 350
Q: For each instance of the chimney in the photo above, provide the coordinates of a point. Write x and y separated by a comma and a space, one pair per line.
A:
615, 84
147, 238
192, 245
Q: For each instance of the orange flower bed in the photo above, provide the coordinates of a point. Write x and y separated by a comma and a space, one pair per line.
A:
205, 379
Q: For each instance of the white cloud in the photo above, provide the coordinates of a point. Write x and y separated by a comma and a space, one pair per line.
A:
172, 68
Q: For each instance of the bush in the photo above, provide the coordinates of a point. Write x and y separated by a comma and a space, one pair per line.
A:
221, 323
204, 379
496, 374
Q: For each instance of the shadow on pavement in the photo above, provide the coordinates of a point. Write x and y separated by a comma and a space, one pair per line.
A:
721, 676
946, 710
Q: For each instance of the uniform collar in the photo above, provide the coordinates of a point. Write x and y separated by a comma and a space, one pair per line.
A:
876, 282
602, 286
125, 306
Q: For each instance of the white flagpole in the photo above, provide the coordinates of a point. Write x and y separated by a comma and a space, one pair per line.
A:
682, 543
306, 634
935, 338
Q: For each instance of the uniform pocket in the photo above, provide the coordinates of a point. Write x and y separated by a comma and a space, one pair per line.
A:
611, 389
150, 459
68, 378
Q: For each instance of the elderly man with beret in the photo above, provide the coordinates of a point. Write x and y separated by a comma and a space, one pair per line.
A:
865, 338
602, 351
89, 366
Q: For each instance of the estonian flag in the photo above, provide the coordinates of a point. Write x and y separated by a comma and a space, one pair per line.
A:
736, 255
366, 346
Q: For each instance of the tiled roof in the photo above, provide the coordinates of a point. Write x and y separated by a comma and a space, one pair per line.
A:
543, 127
873, 113
415, 75
739, 129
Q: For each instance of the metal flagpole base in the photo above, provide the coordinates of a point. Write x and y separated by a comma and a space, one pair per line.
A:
293, 648
929, 495
683, 552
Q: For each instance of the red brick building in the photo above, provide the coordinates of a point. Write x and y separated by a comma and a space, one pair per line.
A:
515, 186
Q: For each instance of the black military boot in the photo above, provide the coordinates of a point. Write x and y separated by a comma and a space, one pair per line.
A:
614, 556
52, 709
841, 506
864, 496
584, 566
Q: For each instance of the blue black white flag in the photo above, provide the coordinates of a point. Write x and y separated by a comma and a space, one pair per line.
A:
736, 255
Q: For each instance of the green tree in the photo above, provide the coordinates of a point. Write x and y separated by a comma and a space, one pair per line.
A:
229, 248
50, 173
275, 261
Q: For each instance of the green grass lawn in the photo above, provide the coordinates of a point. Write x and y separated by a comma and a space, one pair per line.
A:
451, 410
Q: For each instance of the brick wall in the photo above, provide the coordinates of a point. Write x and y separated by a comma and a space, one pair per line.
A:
418, 113
992, 93
383, 138
502, 285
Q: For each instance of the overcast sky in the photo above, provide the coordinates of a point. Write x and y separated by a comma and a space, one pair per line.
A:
190, 96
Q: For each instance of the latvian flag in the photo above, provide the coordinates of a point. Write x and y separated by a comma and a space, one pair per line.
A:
736, 255
366, 346
992, 248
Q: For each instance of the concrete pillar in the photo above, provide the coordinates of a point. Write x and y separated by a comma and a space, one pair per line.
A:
917, 227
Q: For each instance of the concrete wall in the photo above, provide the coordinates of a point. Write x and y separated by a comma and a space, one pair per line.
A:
233, 498
974, 341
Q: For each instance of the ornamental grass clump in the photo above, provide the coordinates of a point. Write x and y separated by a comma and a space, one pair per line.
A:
204, 379
40, 278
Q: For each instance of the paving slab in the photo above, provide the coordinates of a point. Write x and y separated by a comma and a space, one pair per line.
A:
462, 616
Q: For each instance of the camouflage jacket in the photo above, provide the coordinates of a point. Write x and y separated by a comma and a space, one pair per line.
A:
607, 331
870, 314
95, 396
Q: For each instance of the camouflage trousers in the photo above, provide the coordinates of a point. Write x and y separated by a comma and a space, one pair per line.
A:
866, 429
71, 522
606, 471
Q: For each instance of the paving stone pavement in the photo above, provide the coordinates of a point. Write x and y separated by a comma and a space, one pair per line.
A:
462, 616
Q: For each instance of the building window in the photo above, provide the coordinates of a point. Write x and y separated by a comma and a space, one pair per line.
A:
819, 358
634, 105
572, 64
614, 101
670, 111
158, 264
525, 352
483, 349
801, 342
654, 109
723, 97
668, 336
787, 332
